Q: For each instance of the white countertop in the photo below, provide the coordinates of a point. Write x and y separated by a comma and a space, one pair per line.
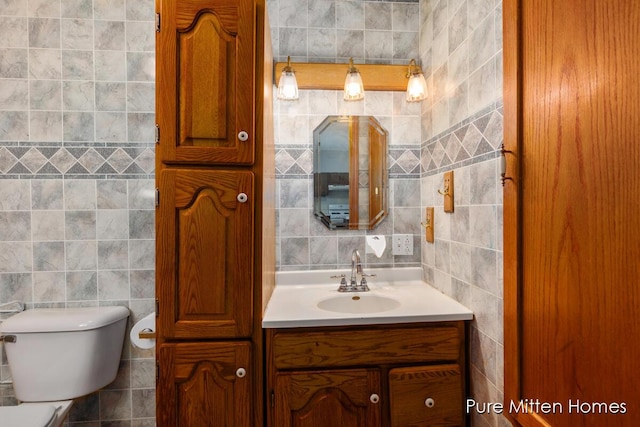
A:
294, 302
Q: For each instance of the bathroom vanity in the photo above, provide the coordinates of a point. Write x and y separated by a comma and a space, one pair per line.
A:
397, 360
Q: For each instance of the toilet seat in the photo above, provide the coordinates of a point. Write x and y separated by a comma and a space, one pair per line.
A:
28, 415
35, 414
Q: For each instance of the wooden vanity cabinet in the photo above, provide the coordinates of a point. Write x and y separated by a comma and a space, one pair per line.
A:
215, 210
395, 375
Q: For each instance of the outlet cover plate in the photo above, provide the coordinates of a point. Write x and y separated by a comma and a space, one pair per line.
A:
403, 244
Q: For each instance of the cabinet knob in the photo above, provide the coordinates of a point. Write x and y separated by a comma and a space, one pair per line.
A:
243, 136
429, 402
374, 398
242, 197
241, 373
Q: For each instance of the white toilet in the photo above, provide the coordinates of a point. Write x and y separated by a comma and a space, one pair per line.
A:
56, 355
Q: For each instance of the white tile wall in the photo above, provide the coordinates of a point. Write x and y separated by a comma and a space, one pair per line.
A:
76, 175
333, 31
461, 45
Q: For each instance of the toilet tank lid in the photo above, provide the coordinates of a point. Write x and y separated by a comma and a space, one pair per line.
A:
62, 319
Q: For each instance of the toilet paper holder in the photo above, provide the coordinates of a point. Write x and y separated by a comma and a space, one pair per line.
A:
147, 334
143, 334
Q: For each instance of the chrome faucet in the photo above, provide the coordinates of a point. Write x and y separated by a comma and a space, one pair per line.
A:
356, 269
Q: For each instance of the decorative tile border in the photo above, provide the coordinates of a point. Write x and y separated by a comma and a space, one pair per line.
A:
475, 139
84, 161
296, 162
404, 162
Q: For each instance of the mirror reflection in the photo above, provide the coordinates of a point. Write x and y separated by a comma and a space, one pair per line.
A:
350, 172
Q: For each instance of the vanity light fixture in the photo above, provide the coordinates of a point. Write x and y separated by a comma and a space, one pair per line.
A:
331, 76
288, 85
353, 87
417, 86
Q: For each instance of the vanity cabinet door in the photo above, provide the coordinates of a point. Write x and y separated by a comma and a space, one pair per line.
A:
205, 68
205, 253
426, 396
205, 384
346, 398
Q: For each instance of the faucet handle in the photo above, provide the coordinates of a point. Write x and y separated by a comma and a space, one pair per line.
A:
363, 284
343, 282
368, 275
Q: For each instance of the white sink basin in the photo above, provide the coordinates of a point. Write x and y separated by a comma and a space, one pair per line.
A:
358, 303
398, 295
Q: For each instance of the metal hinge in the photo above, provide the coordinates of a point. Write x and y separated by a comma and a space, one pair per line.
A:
157, 133
273, 399
157, 204
157, 307
157, 22
157, 371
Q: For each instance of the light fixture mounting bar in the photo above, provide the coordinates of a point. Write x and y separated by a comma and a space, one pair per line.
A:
330, 76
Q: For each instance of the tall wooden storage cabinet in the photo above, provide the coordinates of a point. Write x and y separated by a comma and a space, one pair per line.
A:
215, 222
571, 220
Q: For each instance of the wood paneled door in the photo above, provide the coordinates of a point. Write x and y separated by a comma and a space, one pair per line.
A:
348, 398
205, 61
205, 245
571, 211
205, 384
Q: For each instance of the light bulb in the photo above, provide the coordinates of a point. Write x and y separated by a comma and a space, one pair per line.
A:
288, 85
353, 87
417, 85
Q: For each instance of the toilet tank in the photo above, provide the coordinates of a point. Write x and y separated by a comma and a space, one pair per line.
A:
63, 353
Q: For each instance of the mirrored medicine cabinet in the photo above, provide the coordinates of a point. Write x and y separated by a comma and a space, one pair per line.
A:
350, 179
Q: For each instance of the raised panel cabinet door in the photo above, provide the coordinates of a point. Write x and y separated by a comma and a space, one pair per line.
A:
205, 81
205, 253
204, 385
426, 396
347, 398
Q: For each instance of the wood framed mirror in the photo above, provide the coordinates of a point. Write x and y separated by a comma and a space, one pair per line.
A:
350, 178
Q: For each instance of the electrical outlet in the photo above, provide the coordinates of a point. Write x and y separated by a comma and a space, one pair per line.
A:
403, 244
